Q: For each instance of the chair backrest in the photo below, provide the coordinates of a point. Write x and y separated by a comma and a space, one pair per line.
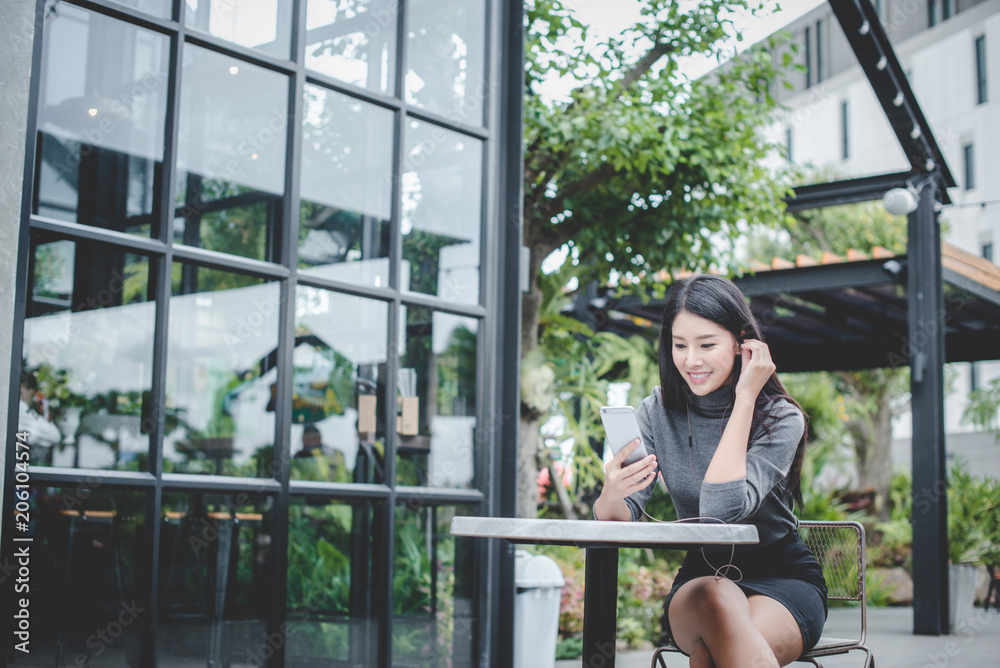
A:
839, 547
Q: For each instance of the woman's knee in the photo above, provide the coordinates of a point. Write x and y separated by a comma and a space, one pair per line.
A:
719, 601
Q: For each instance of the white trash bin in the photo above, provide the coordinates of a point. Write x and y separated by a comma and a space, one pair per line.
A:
539, 582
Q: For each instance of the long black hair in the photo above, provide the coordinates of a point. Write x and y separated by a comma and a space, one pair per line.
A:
717, 299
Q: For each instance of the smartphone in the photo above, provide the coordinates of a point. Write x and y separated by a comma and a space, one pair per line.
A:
622, 428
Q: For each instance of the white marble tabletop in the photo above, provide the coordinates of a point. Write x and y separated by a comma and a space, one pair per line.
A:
594, 533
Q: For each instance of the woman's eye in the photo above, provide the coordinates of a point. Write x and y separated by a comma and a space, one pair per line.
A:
678, 346
708, 345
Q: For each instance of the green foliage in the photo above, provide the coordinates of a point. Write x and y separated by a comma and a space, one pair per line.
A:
973, 517
644, 579
639, 166
878, 592
569, 376
983, 409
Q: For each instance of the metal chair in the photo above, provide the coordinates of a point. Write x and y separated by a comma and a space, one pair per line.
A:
839, 547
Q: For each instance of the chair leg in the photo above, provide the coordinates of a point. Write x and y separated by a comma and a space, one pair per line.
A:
658, 659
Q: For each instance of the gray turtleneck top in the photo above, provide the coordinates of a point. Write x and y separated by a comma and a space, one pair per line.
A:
761, 499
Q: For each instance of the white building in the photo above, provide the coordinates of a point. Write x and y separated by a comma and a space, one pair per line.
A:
950, 51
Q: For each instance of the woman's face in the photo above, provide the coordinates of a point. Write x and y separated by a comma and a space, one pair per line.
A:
704, 353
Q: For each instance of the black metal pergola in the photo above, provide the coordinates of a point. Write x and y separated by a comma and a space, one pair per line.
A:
930, 306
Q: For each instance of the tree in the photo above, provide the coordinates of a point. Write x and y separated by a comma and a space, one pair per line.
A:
640, 166
872, 397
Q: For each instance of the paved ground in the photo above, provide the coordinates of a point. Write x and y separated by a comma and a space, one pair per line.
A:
891, 639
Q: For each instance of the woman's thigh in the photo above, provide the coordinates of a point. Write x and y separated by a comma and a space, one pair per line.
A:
778, 626
701, 602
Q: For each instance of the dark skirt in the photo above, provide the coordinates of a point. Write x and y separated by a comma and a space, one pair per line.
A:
785, 571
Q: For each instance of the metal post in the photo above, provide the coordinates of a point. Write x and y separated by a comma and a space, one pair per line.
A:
926, 325
600, 608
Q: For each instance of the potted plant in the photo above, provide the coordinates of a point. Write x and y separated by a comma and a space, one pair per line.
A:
973, 536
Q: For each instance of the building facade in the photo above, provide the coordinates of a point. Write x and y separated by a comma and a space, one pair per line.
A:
260, 273
833, 122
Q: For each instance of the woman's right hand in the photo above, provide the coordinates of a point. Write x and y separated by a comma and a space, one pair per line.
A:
620, 480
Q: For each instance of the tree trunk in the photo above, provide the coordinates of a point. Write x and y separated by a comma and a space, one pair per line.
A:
875, 469
528, 435
872, 436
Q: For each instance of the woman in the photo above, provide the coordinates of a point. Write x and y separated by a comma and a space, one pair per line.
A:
729, 442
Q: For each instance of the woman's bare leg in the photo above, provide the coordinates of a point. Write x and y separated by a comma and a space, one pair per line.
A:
778, 627
710, 620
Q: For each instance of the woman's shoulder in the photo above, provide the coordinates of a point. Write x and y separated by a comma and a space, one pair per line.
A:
782, 411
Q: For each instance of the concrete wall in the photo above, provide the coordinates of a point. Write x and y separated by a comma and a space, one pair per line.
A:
17, 32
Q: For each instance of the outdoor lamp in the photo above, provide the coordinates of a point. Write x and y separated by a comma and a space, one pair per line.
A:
900, 201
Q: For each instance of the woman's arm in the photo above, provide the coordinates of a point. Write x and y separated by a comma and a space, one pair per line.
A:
730, 460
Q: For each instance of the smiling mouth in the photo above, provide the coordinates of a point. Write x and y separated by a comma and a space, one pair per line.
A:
698, 377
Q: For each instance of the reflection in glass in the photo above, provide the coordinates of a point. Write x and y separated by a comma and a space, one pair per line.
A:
338, 392
87, 569
437, 399
346, 188
87, 356
231, 155
333, 612
265, 25
221, 357
433, 593
354, 41
442, 213
100, 121
446, 73
214, 579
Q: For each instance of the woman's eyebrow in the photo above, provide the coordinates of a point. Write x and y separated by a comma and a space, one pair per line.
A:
697, 338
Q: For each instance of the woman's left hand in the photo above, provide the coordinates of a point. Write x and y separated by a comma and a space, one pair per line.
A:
756, 368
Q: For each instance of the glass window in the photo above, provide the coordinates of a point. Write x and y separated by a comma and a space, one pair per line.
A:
87, 566
221, 373
969, 157
442, 213
87, 357
845, 148
354, 41
231, 155
346, 188
434, 621
436, 391
446, 52
808, 57
161, 8
333, 596
100, 121
981, 95
338, 400
265, 25
215, 573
